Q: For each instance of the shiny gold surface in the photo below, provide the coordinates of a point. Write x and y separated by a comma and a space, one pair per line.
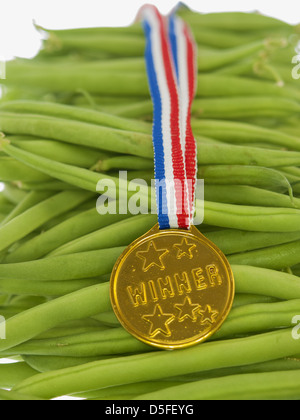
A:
172, 288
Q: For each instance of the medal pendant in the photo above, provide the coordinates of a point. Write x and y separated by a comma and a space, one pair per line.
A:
172, 288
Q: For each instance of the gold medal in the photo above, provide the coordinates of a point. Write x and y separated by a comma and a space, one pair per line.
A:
172, 288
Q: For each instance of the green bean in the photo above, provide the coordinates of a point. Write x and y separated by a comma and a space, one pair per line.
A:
259, 317
209, 153
266, 282
117, 234
235, 241
259, 219
69, 79
119, 45
13, 194
64, 267
157, 365
251, 318
46, 288
78, 114
124, 162
210, 85
251, 386
12, 170
77, 305
67, 231
247, 195
242, 299
232, 132
36, 216
31, 199
91, 344
12, 373
95, 299
49, 363
66, 153
275, 257
245, 175
245, 108
16, 396
77, 132
42, 186
236, 21
135, 389
78, 177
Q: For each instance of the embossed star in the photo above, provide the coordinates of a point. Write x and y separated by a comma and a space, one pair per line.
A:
159, 322
152, 257
187, 310
184, 249
208, 315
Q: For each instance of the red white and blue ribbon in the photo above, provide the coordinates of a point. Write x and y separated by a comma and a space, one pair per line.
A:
171, 67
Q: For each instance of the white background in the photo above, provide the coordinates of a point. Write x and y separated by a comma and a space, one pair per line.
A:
18, 36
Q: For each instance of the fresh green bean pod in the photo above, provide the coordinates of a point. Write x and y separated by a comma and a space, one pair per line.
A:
117, 234
248, 195
266, 282
46, 288
13, 170
30, 200
157, 365
251, 386
245, 175
64, 267
134, 390
245, 108
124, 162
49, 363
70, 154
259, 219
13, 194
65, 232
241, 132
111, 341
235, 21
77, 305
78, 114
276, 257
77, 132
232, 241
247, 319
16, 396
36, 216
12, 373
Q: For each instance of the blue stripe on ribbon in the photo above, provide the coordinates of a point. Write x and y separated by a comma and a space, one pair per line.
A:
173, 42
157, 135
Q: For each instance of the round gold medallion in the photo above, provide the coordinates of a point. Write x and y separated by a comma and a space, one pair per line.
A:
172, 288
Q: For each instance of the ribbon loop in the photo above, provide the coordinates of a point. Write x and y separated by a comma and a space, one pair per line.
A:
171, 68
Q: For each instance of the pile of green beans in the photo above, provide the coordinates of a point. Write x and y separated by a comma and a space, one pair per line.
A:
80, 112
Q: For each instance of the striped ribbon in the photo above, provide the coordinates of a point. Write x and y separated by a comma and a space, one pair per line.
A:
171, 68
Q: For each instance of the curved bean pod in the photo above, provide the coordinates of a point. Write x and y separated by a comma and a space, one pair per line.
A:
276, 257
12, 373
79, 114
67, 231
157, 365
250, 386
36, 216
